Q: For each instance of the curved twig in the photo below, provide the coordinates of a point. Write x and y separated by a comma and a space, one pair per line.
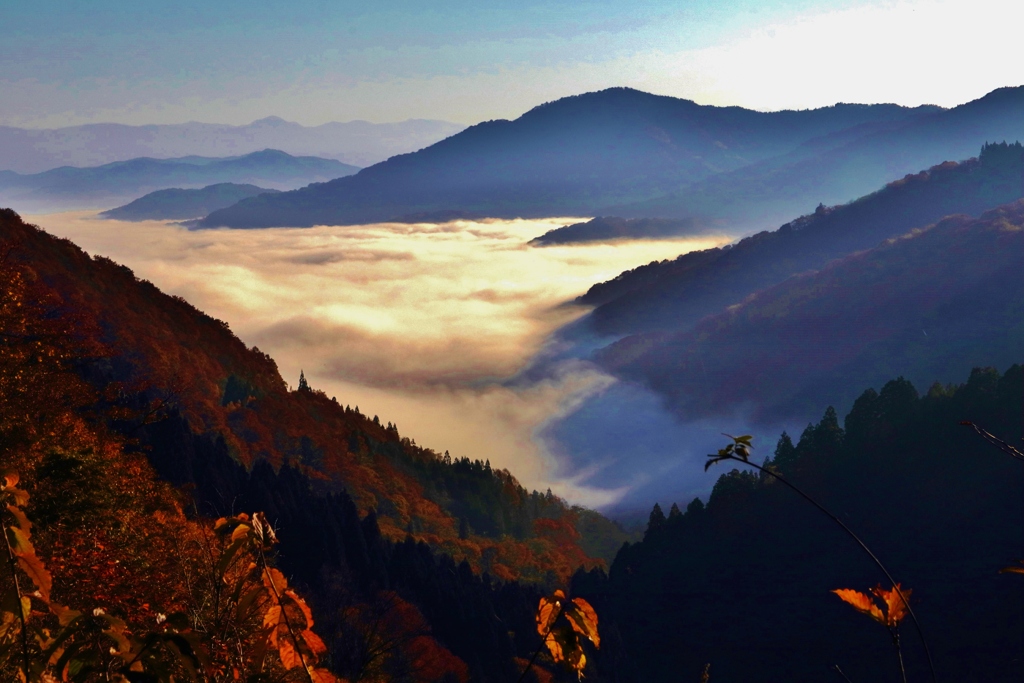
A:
835, 667
995, 441
855, 537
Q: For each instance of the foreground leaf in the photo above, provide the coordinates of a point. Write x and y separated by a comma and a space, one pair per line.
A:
584, 620
861, 602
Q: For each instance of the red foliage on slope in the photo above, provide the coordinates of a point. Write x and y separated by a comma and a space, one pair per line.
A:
182, 359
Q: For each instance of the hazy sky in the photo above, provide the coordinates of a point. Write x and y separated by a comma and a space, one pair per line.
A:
142, 61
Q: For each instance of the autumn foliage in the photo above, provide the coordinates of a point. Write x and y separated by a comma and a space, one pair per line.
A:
93, 364
159, 356
243, 623
894, 604
564, 624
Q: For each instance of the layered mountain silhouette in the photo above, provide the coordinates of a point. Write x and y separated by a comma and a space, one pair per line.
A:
101, 186
674, 295
178, 204
929, 306
841, 167
356, 142
575, 156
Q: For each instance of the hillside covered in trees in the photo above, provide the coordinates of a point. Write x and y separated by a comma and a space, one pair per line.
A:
114, 392
744, 582
674, 295
929, 305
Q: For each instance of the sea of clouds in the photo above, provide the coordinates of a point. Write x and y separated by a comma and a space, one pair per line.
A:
447, 330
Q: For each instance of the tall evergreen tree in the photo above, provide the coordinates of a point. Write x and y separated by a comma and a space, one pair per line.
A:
656, 521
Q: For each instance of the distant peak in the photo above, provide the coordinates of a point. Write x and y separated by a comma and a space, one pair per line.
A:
614, 97
271, 121
268, 153
1013, 92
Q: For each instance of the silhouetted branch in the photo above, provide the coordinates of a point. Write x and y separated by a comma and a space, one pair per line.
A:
739, 451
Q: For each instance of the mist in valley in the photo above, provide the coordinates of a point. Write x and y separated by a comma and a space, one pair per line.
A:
446, 330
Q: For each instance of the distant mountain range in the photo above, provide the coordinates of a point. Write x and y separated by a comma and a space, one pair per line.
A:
359, 143
111, 184
770, 324
575, 156
841, 167
178, 204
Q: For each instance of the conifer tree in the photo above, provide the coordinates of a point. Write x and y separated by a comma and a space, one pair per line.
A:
657, 519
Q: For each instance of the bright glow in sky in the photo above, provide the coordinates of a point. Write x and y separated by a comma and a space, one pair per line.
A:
419, 324
312, 61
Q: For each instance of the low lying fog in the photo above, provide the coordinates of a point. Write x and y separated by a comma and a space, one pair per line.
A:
424, 325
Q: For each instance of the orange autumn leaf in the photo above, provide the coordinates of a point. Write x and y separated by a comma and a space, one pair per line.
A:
323, 676
314, 643
241, 531
274, 580
563, 640
547, 612
1013, 570
578, 661
18, 539
307, 615
584, 620
895, 606
861, 603
290, 657
554, 647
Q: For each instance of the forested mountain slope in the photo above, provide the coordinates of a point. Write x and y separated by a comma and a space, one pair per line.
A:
929, 305
745, 582
108, 382
674, 295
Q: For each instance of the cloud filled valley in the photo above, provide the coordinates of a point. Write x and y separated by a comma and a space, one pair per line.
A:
429, 326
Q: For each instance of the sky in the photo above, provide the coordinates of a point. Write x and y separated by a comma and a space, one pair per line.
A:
68, 62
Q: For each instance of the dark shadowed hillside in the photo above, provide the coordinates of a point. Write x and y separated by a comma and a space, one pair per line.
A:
568, 157
744, 582
930, 306
676, 294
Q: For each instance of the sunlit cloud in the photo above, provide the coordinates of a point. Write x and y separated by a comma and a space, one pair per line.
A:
424, 325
